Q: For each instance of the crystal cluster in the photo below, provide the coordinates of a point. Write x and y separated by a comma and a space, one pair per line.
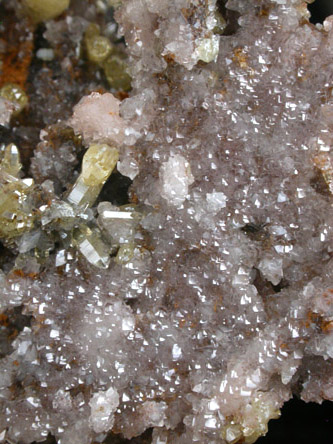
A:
205, 301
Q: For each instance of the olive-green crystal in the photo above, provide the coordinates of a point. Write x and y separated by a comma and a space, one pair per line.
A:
115, 69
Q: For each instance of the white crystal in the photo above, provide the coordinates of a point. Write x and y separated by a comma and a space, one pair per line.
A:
175, 177
271, 268
103, 404
96, 117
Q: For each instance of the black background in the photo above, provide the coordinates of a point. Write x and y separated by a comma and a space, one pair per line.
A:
301, 423
320, 9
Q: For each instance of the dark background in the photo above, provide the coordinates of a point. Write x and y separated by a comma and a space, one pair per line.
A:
320, 9
301, 423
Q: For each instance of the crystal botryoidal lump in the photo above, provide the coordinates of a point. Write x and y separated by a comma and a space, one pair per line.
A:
98, 48
189, 301
42, 10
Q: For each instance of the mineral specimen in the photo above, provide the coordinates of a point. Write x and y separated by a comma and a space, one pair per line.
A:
41, 10
14, 94
204, 301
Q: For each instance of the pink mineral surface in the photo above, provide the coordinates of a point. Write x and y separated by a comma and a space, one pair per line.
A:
96, 118
215, 303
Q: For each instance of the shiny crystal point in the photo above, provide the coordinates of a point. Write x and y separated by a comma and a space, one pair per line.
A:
97, 165
92, 246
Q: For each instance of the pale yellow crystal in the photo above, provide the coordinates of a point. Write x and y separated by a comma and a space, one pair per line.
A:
125, 253
92, 30
256, 423
92, 246
98, 163
251, 422
10, 161
115, 3
83, 195
16, 209
220, 25
208, 49
98, 48
232, 433
16, 216
42, 10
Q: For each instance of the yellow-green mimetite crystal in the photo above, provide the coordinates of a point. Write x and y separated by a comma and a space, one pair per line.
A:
98, 48
115, 69
98, 163
16, 209
125, 253
10, 160
92, 246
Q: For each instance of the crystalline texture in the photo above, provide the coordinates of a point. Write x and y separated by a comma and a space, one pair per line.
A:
175, 176
103, 404
7, 108
96, 117
97, 165
204, 302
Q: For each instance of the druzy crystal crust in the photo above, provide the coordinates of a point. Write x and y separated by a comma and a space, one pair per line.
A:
200, 303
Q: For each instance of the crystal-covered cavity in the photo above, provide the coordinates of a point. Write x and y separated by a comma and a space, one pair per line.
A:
206, 302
